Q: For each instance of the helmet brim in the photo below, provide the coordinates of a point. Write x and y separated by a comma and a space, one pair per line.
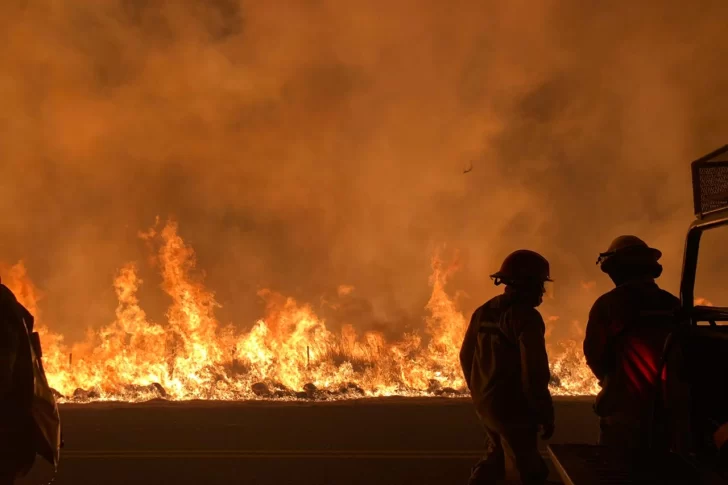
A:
635, 256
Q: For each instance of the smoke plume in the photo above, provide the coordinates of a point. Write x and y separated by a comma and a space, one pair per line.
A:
303, 145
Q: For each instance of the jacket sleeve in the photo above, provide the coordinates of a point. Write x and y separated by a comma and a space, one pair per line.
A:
9, 342
10, 338
535, 372
598, 340
467, 350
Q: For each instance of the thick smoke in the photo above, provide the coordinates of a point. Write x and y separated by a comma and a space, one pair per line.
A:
303, 145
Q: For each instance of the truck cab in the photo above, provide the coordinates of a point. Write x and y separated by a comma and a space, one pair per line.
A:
691, 407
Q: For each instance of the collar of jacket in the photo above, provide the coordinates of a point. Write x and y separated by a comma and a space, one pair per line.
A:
642, 281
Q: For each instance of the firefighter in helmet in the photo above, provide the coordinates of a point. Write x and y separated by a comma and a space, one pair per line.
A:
624, 340
506, 368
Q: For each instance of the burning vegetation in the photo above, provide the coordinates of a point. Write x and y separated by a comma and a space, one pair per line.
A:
289, 353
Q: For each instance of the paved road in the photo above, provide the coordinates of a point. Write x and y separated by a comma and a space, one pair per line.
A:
390, 441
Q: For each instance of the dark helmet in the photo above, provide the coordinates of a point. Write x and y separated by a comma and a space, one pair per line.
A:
628, 251
523, 266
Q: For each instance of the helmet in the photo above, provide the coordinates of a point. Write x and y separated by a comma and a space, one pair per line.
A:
628, 250
523, 266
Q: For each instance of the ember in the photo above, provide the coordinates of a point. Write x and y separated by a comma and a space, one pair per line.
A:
288, 354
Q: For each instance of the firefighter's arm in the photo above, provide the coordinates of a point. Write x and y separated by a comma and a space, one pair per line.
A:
9, 341
597, 340
535, 365
467, 350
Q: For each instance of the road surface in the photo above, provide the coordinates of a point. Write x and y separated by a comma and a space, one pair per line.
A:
372, 441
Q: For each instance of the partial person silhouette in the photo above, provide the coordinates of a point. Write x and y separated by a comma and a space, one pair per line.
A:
29, 421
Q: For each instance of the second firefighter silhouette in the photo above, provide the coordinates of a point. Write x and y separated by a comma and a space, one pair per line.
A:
625, 337
506, 368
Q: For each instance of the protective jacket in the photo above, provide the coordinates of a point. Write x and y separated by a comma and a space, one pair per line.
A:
505, 364
623, 346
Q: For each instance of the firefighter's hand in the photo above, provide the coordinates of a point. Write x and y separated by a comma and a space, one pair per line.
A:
547, 431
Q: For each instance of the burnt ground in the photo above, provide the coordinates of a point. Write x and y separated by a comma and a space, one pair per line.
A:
372, 441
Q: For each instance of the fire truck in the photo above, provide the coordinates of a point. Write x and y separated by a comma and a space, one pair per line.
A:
691, 404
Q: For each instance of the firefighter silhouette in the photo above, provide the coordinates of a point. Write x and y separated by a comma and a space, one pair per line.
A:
624, 340
506, 367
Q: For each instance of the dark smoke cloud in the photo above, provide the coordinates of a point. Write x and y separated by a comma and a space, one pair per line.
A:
303, 145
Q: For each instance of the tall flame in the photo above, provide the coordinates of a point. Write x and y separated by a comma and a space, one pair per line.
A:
288, 353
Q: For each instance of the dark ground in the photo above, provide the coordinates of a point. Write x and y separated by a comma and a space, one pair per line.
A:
373, 441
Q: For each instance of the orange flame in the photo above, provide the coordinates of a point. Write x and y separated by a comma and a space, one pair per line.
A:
289, 353
702, 302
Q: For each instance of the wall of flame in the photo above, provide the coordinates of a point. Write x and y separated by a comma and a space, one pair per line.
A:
191, 355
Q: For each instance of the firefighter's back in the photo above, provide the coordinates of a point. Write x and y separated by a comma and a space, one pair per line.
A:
496, 375
641, 316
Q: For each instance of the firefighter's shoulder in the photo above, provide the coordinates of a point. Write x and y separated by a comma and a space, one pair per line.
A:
492, 304
524, 316
606, 301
